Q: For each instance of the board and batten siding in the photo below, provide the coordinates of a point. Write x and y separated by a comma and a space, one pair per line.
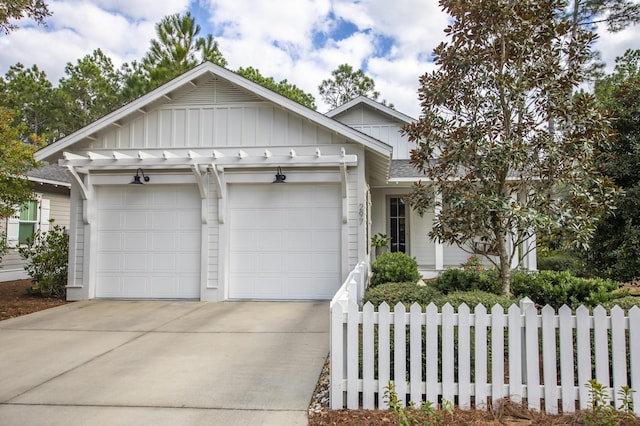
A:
213, 241
214, 114
215, 126
76, 241
379, 126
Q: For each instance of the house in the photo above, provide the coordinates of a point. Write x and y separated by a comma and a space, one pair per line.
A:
51, 186
238, 193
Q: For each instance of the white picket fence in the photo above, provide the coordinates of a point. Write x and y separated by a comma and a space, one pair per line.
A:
540, 368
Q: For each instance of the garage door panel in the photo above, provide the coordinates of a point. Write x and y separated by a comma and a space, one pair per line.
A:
163, 262
324, 239
188, 263
164, 241
285, 241
324, 218
325, 262
299, 239
148, 242
135, 241
135, 220
109, 262
135, 262
300, 262
269, 262
110, 241
133, 286
189, 241
186, 220
109, 220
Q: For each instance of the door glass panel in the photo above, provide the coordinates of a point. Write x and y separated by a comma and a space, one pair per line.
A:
397, 224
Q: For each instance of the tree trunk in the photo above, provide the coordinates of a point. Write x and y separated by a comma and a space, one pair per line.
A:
505, 263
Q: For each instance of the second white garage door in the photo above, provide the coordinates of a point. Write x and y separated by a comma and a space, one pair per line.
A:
284, 241
148, 242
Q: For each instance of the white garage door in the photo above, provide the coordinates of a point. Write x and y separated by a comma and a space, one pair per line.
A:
285, 241
148, 242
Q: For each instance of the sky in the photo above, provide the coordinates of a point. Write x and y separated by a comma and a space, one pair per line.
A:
302, 41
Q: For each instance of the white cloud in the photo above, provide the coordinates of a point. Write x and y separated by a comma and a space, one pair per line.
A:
612, 45
275, 38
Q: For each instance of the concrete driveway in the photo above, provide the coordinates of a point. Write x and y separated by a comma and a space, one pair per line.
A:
162, 363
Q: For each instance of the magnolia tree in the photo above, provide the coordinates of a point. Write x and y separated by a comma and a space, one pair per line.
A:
495, 169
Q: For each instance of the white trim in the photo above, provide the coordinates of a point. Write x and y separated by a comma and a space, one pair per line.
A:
50, 182
180, 158
372, 104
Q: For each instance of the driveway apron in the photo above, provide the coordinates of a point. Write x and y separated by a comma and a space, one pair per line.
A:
163, 362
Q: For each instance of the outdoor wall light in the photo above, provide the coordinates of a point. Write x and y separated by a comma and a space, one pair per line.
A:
136, 179
280, 178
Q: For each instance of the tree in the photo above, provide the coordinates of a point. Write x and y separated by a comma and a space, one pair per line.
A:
16, 159
283, 87
19, 9
483, 141
616, 14
178, 49
615, 248
345, 85
29, 93
90, 90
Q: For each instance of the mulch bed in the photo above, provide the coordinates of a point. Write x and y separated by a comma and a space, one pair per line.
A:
15, 301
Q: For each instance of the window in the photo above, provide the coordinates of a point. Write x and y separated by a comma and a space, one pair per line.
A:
28, 221
397, 224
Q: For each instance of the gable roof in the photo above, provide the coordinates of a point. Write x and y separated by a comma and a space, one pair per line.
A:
165, 93
363, 100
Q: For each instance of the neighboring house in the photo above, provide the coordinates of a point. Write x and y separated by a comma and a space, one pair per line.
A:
51, 186
207, 220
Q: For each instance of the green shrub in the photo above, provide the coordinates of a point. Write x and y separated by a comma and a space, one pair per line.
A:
47, 256
468, 280
394, 268
559, 262
474, 298
561, 288
626, 303
406, 293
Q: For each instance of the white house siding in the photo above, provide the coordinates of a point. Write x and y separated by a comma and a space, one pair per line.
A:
454, 256
59, 209
421, 246
379, 126
214, 283
77, 290
199, 121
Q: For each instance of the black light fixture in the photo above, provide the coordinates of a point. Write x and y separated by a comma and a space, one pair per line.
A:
280, 178
136, 179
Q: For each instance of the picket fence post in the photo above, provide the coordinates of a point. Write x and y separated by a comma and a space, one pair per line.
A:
337, 357
368, 350
497, 354
567, 373
634, 352
384, 359
516, 366
464, 357
549, 363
